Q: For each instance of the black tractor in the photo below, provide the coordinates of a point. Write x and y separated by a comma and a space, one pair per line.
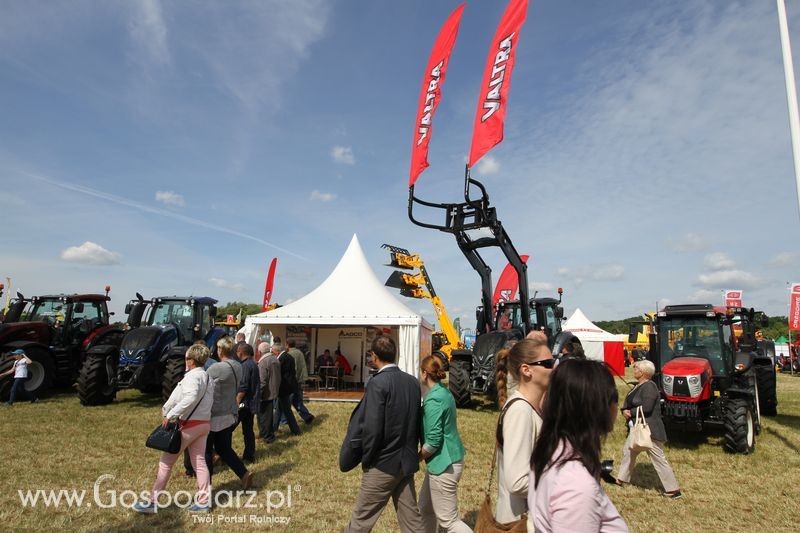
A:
151, 355
712, 372
475, 226
56, 332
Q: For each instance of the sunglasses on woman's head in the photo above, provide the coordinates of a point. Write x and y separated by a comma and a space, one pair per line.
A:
547, 363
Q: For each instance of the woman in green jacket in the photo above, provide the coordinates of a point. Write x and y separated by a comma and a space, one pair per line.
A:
442, 450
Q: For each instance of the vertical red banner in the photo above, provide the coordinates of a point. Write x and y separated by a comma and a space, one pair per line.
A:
489, 119
733, 298
270, 283
794, 308
432, 92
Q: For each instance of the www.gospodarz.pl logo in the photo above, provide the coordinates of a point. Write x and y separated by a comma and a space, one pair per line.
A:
101, 496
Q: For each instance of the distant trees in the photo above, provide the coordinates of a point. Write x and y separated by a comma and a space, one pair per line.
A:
233, 308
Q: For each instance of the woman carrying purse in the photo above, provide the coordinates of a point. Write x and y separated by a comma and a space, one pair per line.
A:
647, 396
190, 403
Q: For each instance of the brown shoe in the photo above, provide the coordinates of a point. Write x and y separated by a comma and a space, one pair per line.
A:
247, 480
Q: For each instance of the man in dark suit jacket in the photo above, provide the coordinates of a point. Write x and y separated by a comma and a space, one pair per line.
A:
390, 444
287, 388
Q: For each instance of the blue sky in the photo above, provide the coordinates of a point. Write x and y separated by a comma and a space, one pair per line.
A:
176, 147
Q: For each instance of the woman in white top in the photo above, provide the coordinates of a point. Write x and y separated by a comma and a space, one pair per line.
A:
190, 403
530, 363
565, 492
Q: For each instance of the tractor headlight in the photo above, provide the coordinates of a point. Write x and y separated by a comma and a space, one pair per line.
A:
667, 379
694, 380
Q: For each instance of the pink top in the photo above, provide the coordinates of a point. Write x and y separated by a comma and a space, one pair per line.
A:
568, 498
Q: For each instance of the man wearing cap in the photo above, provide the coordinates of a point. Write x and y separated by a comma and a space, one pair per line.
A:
20, 371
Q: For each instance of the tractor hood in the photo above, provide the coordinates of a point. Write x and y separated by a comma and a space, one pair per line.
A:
686, 366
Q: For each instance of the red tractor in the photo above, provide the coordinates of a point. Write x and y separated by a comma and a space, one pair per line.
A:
709, 377
55, 331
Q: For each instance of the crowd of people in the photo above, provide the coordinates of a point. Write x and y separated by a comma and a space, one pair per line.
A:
214, 397
554, 417
548, 442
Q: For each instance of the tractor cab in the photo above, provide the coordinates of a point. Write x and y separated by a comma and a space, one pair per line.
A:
546, 314
70, 318
192, 318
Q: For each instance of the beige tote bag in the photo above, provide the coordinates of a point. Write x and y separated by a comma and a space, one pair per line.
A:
640, 433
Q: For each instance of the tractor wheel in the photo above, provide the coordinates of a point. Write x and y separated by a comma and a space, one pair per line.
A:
41, 373
443, 359
173, 373
740, 427
458, 378
767, 398
95, 386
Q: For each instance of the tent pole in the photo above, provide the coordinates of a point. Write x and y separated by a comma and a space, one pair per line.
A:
791, 93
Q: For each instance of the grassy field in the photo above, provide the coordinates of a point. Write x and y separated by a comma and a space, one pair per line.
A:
58, 444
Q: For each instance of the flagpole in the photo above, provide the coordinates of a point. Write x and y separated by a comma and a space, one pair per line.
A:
791, 93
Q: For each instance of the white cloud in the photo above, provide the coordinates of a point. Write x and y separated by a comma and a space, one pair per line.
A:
343, 155
225, 284
149, 31
725, 279
785, 259
719, 261
608, 273
488, 166
170, 198
322, 196
691, 242
90, 253
705, 296
541, 286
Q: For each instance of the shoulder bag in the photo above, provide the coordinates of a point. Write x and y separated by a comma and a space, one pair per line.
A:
168, 439
486, 522
640, 433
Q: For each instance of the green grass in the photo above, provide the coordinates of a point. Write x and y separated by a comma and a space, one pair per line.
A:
58, 444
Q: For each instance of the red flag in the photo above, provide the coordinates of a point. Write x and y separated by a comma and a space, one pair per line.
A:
431, 92
270, 282
507, 285
488, 130
794, 308
733, 298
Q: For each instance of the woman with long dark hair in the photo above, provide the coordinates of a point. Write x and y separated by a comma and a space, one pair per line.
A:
579, 411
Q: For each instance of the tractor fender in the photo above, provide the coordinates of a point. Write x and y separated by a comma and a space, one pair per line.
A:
563, 338
461, 355
743, 361
106, 335
16, 345
739, 392
173, 353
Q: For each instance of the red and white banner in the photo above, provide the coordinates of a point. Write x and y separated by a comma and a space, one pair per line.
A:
507, 284
488, 130
432, 92
270, 282
794, 308
733, 298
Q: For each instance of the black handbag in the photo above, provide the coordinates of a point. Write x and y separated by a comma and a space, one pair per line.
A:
168, 439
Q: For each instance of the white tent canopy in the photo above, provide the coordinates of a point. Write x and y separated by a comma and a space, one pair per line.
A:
597, 343
353, 296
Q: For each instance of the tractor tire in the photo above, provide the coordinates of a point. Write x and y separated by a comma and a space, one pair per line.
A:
767, 397
94, 385
740, 427
458, 378
41, 373
173, 373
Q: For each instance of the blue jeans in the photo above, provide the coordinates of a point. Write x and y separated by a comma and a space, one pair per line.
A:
18, 388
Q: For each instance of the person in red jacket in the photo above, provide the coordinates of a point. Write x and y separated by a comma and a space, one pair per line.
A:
342, 362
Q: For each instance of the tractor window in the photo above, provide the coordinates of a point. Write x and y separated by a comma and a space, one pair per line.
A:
552, 322
205, 320
52, 311
177, 313
91, 314
692, 337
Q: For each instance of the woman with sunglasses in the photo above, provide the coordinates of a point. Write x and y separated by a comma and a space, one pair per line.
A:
579, 411
530, 364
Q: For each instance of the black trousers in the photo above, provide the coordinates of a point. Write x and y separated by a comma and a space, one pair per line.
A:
246, 419
266, 430
221, 442
285, 409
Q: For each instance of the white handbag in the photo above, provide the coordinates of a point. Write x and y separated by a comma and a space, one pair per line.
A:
640, 433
